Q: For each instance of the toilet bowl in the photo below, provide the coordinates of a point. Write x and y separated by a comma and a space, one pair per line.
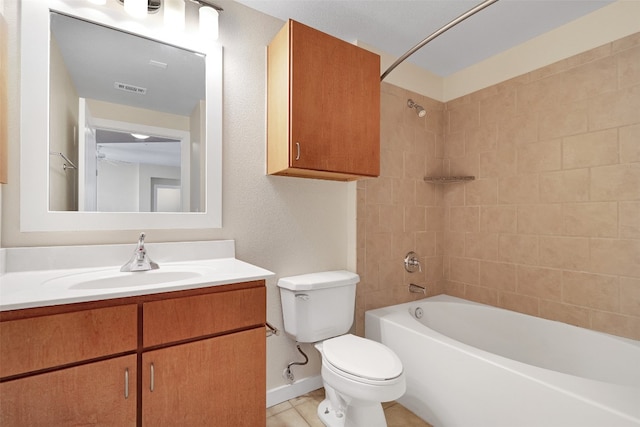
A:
358, 374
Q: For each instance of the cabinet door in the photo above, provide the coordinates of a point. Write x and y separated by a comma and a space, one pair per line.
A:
92, 394
335, 104
214, 382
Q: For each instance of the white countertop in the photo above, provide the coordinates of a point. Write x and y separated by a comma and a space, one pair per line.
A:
45, 287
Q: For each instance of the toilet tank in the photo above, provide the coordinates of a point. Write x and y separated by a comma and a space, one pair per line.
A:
318, 306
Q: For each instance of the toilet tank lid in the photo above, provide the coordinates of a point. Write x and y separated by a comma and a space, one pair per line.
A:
321, 280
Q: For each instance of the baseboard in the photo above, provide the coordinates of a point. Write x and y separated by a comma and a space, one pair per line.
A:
289, 391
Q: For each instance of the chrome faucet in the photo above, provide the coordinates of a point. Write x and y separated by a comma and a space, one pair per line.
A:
140, 261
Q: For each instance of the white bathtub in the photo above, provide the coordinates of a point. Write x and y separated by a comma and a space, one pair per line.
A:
473, 365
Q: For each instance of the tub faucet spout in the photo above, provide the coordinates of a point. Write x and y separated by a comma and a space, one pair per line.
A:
417, 289
140, 261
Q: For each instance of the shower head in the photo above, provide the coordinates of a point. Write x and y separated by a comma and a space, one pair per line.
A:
419, 110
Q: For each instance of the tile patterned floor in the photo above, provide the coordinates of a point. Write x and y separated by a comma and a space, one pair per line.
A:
301, 412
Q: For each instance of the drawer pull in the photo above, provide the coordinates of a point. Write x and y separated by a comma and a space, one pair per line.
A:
126, 383
297, 151
152, 382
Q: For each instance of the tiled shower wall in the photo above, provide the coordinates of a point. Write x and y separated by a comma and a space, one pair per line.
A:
551, 225
398, 212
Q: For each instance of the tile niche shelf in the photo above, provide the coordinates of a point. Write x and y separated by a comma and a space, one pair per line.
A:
448, 179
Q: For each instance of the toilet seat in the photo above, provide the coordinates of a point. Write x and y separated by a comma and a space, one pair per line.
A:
366, 360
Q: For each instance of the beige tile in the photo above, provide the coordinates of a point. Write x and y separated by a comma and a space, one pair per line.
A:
521, 249
288, 418
453, 195
404, 192
544, 283
454, 243
414, 165
571, 253
630, 296
481, 192
616, 324
563, 120
425, 243
540, 219
516, 130
464, 218
435, 218
415, 218
464, 270
590, 149
629, 67
481, 294
591, 290
520, 303
481, 246
482, 138
308, 411
391, 163
591, 219
467, 165
463, 116
425, 193
614, 256
498, 219
564, 186
390, 218
625, 43
379, 191
276, 409
629, 220
454, 144
498, 163
629, 144
498, 275
518, 189
398, 416
619, 108
617, 182
539, 157
497, 106
571, 314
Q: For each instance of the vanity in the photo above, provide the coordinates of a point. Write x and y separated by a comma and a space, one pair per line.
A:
183, 349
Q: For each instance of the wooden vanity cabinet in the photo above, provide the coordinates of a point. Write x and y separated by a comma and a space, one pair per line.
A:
68, 369
216, 374
195, 358
323, 106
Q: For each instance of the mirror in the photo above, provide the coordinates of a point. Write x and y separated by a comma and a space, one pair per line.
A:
122, 106
122, 130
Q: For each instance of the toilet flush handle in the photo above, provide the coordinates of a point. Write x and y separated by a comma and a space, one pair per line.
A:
304, 297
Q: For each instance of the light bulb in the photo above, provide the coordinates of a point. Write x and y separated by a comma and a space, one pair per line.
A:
208, 22
136, 8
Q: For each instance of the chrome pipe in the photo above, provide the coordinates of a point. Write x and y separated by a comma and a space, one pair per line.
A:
435, 34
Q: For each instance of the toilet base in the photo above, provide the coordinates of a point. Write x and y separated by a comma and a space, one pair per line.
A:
368, 415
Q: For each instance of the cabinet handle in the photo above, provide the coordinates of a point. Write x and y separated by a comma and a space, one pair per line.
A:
297, 151
126, 383
152, 382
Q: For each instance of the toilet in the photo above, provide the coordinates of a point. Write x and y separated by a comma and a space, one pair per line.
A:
358, 374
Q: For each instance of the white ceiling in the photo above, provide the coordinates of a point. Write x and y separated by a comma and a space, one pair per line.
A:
395, 26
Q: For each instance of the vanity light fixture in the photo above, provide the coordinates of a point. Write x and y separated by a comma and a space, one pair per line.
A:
174, 13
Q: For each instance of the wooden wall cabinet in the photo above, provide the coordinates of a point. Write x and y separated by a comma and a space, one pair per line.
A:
323, 106
180, 358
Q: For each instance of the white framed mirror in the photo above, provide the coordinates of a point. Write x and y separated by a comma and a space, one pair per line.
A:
176, 180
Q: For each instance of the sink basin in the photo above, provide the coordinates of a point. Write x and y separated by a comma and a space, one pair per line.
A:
115, 279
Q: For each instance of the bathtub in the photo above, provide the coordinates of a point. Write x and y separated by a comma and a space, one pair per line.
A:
473, 365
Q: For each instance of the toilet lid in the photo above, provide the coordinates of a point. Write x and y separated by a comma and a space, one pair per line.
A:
362, 357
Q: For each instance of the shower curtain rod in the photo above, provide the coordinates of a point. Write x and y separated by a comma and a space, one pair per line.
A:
450, 25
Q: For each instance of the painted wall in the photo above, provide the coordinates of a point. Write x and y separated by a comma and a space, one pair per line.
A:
287, 225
